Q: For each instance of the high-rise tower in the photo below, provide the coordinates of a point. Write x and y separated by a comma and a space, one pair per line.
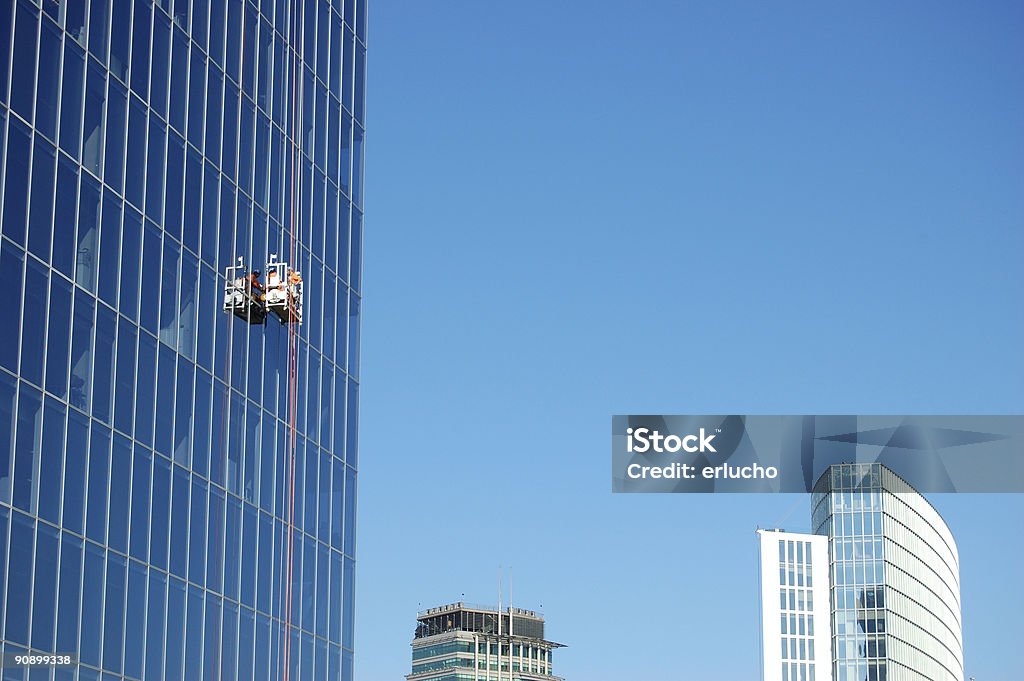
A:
894, 575
460, 642
177, 487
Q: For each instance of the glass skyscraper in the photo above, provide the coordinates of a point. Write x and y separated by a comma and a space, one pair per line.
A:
177, 487
895, 578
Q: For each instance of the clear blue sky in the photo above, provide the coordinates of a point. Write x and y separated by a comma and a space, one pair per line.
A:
577, 209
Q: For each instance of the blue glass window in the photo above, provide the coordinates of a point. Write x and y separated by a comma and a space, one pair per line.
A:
155, 625
99, 481
135, 626
16, 184
72, 89
144, 393
194, 629
40, 220
160, 65
174, 186
149, 314
120, 487
63, 227
201, 413
117, 116
169, 295
88, 230
165, 401
211, 637
120, 29
197, 98
247, 593
6, 23
98, 25
26, 448
131, 251
214, 111
229, 639
113, 619
183, 409
230, 129
68, 595
215, 540
141, 476
179, 522
232, 542
51, 460
160, 519
179, 79
11, 260
44, 588
217, 29
103, 366
110, 248
192, 219
8, 390
19, 579
125, 384
197, 528
57, 338
136, 157
211, 183
92, 605
74, 471
49, 80
95, 96
25, 29
155, 174
175, 629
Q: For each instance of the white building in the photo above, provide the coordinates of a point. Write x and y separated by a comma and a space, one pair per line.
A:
795, 633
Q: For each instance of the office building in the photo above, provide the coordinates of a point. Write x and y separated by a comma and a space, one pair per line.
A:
460, 642
894, 573
177, 486
795, 637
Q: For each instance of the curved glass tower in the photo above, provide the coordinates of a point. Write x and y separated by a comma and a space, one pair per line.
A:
895, 577
177, 486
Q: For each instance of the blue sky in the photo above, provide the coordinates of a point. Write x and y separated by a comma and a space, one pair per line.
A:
574, 210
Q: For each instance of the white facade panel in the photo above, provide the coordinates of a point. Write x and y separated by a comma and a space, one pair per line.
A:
795, 632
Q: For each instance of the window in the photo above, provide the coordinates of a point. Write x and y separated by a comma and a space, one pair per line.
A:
10, 280
160, 65
68, 594
40, 221
92, 605
72, 89
16, 187
155, 173
26, 448
99, 481
113, 619
144, 382
120, 486
135, 627
95, 96
141, 475
88, 230
117, 104
161, 514
136, 157
125, 381
19, 579
51, 460
25, 29
49, 79
57, 338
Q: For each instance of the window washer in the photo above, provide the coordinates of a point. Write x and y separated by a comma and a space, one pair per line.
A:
255, 287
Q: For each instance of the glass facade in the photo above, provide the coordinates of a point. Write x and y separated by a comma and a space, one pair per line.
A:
895, 586
174, 502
